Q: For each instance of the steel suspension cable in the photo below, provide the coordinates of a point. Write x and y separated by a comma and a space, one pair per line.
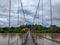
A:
42, 12
22, 11
35, 15
24, 17
9, 21
18, 13
36, 11
51, 11
9, 13
18, 22
42, 20
51, 20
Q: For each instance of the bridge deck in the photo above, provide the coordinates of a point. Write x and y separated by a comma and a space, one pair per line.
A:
29, 40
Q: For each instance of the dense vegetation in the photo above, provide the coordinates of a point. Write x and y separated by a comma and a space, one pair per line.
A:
33, 28
42, 29
13, 30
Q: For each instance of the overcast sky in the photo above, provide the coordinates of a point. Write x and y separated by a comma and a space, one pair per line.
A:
29, 7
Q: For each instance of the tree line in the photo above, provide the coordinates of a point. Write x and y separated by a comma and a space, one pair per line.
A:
33, 28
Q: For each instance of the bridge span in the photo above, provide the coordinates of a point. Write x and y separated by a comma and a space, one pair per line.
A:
29, 39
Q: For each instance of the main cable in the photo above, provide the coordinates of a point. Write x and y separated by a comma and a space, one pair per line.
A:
22, 11
36, 11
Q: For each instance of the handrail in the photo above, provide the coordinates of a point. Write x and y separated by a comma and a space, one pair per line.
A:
33, 39
25, 39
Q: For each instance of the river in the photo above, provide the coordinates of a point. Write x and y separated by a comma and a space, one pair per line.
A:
18, 38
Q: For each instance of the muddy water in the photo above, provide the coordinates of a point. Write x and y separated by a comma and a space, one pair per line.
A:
43, 41
11, 39
18, 38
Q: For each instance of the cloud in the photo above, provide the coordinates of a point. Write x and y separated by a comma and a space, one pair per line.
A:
29, 12
26, 12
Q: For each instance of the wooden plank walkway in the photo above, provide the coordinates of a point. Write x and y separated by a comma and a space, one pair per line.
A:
29, 40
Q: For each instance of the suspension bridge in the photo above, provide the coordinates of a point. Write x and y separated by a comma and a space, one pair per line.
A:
29, 39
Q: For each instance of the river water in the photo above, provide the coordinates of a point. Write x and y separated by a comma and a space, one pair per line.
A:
11, 38
47, 38
19, 38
